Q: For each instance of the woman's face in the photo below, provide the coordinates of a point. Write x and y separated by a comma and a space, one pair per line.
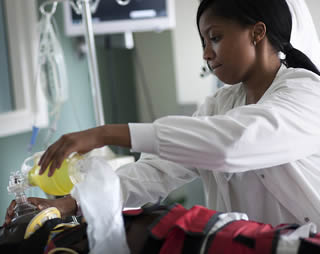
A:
228, 48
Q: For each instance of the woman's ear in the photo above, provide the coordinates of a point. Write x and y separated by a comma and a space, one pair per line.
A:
259, 32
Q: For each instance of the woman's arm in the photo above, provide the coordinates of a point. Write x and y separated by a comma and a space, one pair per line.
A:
83, 142
283, 127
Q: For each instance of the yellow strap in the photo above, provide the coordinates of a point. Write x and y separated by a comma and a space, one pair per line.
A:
62, 249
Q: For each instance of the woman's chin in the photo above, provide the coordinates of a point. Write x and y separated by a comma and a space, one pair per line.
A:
226, 80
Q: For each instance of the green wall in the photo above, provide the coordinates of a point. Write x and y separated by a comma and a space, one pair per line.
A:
5, 95
13, 148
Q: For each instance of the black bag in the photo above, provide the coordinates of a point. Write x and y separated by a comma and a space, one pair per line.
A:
44, 239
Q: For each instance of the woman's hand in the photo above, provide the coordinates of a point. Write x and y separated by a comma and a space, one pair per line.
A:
67, 206
83, 142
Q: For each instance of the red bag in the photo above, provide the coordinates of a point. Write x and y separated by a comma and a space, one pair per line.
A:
201, 230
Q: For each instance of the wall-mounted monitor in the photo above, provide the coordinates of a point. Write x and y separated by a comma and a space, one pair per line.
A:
111, 18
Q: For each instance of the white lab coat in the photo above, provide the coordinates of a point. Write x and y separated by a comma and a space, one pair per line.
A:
278, 139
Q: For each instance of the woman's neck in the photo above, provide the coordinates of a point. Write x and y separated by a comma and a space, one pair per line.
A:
262, 75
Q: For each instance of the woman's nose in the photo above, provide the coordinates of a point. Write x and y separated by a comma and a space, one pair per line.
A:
208, 53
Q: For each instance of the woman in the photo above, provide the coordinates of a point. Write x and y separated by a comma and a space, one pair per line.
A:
255, 144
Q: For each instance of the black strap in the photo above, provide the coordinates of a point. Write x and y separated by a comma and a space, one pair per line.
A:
38, 240
152, 246
194, 242
308, 247
71, 235
245, 240
251, 242
211, 237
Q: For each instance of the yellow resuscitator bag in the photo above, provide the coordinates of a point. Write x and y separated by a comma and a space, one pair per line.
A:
63, 179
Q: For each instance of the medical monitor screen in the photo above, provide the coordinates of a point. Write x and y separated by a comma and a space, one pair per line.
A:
110, 17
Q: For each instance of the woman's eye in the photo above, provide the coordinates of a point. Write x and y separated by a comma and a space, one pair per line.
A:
215, 39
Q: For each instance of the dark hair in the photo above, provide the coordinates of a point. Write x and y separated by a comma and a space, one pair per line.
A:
275, 14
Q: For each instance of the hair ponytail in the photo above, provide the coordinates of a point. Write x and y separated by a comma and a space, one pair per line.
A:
296, 59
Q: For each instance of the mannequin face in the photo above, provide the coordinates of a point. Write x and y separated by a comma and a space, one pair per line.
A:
228, 48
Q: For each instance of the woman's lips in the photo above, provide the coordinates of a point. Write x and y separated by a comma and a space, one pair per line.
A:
216, 66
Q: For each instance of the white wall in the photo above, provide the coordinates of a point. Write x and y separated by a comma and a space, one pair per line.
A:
305, 28
191, 88
155, 75
314, 7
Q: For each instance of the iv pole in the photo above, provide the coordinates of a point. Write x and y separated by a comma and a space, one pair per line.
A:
92, 57
92, 60
83, 7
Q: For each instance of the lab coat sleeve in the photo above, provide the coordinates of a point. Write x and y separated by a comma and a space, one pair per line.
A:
283, 127
151, 178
